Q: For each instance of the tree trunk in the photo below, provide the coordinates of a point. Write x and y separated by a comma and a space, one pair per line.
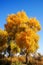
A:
9, 50
9, 54
26, 58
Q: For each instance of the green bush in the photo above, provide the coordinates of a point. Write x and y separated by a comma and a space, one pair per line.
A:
16, 63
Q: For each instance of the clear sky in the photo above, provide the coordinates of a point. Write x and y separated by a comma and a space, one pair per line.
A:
33, 8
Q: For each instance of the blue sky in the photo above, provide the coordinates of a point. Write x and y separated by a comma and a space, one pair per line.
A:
33, 8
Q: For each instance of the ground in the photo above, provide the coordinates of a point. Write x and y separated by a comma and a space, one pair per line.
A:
31, 61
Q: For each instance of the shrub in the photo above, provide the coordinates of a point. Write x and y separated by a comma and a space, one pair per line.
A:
16, 63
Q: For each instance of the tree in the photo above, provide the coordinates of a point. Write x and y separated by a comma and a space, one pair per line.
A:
23, 31
3, 40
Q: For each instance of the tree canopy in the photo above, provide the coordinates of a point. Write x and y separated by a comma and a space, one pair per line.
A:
22, 30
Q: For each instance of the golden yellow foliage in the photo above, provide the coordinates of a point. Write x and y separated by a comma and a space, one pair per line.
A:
27, 40
3, 39
20, 17
14, 47
3, 32
3, 47
34, 24
23, 30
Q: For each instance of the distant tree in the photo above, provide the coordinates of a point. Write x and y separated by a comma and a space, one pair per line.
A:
3, 40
